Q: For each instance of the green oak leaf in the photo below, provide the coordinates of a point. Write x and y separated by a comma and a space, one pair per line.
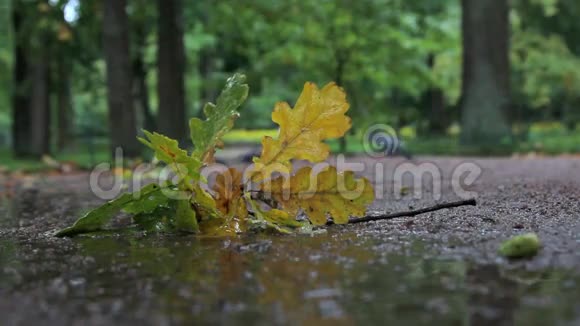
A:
206, 134
168, 151
98, 217
161, 219
185, 217
204, 203
147, 204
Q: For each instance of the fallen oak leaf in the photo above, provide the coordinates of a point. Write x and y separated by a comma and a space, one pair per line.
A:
318, 115
98, 217
229, 192
185, 217
224, 226
204, 204
327, 193
168, 151
230, 205
274, 219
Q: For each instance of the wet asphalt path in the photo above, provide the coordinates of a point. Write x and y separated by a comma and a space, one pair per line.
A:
437, 267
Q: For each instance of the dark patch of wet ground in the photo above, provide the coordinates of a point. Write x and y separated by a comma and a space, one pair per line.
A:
440, 267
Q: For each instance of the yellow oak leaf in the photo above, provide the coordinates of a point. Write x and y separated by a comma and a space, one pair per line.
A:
275, 219
319, 114
230, 204
280, 217
338, 194
229, 190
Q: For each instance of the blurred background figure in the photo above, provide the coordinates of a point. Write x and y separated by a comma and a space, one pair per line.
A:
79, 78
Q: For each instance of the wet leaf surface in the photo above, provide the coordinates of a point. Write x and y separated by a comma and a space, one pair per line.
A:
207, 134
318, 115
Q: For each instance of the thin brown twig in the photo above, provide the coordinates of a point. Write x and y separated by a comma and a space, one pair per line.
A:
468, 202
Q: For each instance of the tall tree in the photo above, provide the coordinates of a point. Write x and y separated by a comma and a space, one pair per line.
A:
122, 120
20, 100
142, 92
142, 15
65, 112
486, 72
31, 96
40, 106
171, 66
434, 100
63, 55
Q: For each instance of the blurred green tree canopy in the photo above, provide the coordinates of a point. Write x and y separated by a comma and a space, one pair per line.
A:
389, 55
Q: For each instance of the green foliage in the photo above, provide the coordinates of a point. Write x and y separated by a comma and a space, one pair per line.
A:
249, 136
375, 49
545, 68
386, 53
5, 68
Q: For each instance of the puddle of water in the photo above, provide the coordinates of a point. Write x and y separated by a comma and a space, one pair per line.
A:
330, 278
6, 213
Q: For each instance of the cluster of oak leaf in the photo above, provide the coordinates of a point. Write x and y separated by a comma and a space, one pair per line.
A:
264, 197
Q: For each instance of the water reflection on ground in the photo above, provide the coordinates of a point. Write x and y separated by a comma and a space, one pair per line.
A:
333, 278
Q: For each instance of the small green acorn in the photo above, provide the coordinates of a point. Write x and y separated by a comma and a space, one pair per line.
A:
520, 246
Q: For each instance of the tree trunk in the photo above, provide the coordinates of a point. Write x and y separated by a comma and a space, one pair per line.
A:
171, 65
122, 120
485, 89
141, 94
435, 100
65, 111
40, 108
570, 114
20, 100
31, 97
437, 119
